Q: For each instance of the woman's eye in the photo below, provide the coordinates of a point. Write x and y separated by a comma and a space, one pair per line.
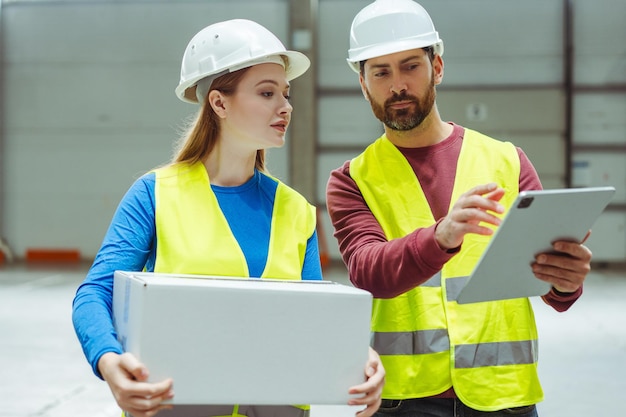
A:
267, 94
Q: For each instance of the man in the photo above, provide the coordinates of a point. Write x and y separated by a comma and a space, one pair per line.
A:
413, 213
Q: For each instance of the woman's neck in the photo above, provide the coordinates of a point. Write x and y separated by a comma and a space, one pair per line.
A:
228, 167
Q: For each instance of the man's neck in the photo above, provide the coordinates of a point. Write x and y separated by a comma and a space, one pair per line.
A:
430, 132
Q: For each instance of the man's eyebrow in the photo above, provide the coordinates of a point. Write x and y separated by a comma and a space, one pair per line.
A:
410, 58
379, 65
404, 61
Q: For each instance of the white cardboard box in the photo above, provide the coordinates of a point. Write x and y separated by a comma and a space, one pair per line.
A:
245, 341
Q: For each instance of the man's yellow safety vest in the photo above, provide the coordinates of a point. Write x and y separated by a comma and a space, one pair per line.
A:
427, 342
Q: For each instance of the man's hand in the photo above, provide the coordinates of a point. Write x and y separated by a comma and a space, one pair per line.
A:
472, 208
567, 267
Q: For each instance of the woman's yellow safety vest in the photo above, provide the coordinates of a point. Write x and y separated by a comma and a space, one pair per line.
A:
193, 237
428, 342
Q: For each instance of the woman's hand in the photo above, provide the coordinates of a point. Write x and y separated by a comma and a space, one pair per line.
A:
127, 378
371, 389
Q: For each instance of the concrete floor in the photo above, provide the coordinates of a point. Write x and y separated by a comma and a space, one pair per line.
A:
582, 352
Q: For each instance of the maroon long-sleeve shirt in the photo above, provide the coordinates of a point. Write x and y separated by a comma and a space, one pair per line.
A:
387, 268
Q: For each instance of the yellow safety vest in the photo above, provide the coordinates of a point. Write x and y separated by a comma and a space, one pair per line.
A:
194, 238
428, 342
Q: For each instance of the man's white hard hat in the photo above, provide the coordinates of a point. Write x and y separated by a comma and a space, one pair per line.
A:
388, 26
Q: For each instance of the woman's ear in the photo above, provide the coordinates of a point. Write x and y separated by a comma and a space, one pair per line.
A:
217, 102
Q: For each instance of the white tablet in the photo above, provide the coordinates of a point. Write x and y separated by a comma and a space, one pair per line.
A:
535, 220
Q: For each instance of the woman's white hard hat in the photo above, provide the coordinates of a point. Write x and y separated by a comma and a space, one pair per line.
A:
389, 26
230, 46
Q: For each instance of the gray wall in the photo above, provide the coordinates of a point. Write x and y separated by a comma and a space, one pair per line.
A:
89, 104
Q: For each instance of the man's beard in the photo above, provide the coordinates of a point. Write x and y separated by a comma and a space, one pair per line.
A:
404, 119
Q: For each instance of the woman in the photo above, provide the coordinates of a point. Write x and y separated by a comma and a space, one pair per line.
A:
213, 210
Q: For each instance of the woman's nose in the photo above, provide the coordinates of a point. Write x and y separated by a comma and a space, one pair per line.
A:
286, 108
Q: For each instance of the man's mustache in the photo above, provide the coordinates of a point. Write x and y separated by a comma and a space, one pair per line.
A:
399, 97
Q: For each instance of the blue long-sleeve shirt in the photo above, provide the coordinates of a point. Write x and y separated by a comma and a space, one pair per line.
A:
130, 245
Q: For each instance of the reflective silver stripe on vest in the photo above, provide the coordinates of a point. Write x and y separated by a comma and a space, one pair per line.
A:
410, 343
413, 343
466, 356
454, 287
495, 354
227, 410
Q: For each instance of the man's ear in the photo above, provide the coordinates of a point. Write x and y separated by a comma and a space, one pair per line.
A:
217, 102
363, 88
438, 69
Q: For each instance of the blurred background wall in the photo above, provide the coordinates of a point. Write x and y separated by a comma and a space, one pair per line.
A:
87, 100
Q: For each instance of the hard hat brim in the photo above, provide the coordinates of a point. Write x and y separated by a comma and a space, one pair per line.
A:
386, 49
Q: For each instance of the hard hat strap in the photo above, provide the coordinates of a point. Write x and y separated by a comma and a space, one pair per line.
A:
203, 86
